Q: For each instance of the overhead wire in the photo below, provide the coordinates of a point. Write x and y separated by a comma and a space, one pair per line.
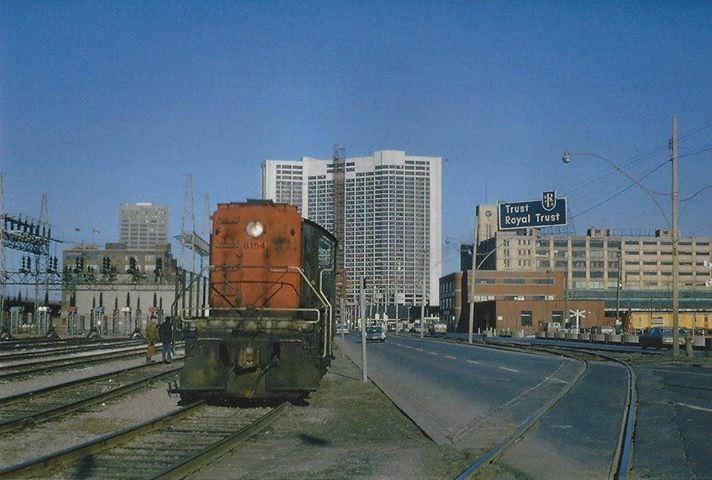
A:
589, 183
659, 166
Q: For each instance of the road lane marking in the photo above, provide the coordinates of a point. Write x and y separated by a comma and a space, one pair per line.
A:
694, 407
475, 362
432, 353
558, 380
450, 357
509, 369
419, 349
678, 372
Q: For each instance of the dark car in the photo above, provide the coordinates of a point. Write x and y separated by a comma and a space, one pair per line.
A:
660, 337
375, 334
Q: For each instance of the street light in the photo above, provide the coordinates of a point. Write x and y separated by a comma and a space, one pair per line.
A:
674, 196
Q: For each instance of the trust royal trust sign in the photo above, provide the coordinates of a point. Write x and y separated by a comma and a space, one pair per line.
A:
547, 212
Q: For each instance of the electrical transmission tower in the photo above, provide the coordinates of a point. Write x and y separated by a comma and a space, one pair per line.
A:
189, 239
205, 228
2, 254
187, 225
41, 267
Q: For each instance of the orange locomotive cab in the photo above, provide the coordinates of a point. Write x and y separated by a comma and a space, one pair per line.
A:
270, 329
253, 251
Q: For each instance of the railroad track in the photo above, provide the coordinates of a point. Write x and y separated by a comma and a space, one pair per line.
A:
624, 449
31, 343
171, 445
66, 350
44, 404
14, 371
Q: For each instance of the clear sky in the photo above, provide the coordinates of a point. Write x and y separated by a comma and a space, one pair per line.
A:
103, 103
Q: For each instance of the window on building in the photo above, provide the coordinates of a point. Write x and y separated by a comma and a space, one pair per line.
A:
526, 318
557, 316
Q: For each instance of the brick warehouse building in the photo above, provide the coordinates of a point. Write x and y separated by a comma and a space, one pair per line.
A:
514, 301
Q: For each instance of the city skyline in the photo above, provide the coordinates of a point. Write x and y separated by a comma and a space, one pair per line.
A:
392, 217
500, 110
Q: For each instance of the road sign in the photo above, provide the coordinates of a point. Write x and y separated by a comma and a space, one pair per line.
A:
547, 212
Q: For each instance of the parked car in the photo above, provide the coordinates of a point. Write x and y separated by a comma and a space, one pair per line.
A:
342, 329
660, 337
375, 334
438, 330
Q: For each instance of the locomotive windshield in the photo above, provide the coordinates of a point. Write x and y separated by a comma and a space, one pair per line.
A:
326, 253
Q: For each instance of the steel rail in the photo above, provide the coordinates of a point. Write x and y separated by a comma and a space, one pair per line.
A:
623, 455
182, 465
37, 468
527, 424
56, 364
50, 413
624, 449
212, 452
64, 350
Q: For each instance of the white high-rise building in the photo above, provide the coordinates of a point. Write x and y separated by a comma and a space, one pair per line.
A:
143, 225
393, 218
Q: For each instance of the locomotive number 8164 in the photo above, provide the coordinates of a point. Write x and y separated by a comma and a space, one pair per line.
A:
270, 327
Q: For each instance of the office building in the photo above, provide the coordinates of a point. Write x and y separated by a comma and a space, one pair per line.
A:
143, 225
597, 259
392, 218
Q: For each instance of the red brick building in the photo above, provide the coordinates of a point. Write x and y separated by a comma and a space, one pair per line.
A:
515, 301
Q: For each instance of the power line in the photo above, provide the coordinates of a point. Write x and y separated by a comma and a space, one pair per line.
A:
599, 179
621, 191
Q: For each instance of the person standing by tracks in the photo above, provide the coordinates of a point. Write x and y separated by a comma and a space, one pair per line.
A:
165, 332
151, 337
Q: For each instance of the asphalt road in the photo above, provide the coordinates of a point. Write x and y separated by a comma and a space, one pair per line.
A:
578, 437
674, 422
473, 397
466, 396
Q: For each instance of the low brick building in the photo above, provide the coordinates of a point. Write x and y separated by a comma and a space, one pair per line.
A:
516, 300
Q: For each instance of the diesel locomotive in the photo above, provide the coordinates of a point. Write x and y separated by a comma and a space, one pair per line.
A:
270, 327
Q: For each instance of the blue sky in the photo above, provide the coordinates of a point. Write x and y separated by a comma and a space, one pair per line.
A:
103, 103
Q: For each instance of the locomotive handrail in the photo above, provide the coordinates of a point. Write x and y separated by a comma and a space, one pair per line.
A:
330, 317
323, 299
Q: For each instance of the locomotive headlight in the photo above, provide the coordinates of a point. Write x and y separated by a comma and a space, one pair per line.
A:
254, 229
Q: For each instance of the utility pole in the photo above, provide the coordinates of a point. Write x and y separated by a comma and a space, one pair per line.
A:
364, 373
339, 228
422, 304
471, 324
619, 286
675, 244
